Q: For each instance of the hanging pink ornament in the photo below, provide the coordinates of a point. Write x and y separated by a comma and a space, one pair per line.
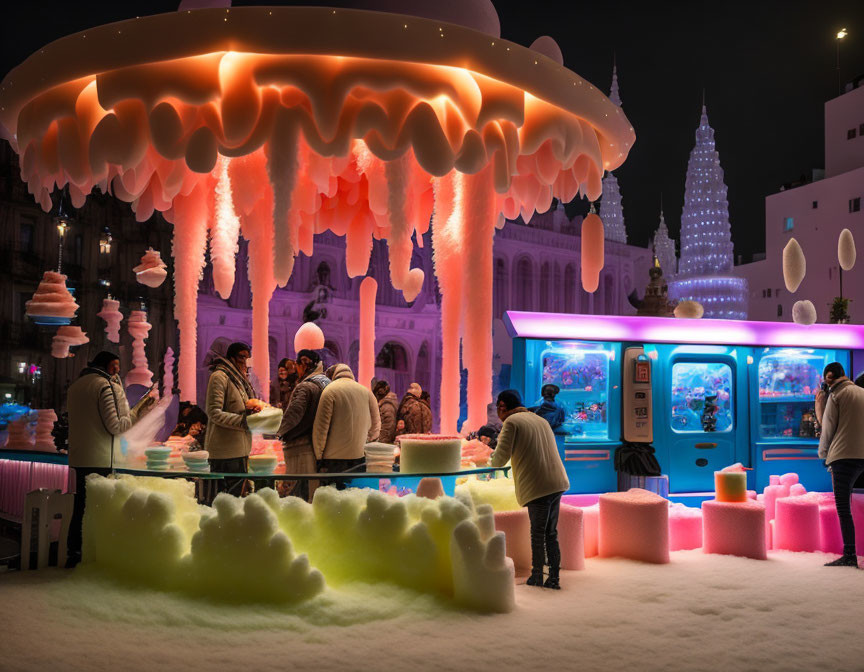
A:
20, 434
65, 338
168, 372
151, 271
366, 361
138, 328
308, 337
593, 252
224, 234
52, 303
111, 314
45, 419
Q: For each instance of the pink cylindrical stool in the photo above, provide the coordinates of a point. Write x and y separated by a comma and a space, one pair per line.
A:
517, 536
796, 524
570, 537
830, 536
858, 518
685, 527
635, 525
734, 528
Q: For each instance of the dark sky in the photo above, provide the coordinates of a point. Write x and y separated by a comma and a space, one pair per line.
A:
767, 68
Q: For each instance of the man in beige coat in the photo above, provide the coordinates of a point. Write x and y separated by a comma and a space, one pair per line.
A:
98, 414
841, 445
347, 419
528, 443
230, 398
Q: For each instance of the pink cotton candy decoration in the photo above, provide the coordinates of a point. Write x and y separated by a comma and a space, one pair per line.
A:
51, 298
635, 525
734, 528
593, 251
309, 337
138, 328
789, 479
797, 489
190, 238
571, 538
65, 338
449, 263
478, 226
366, 360
224, 233
45, 419
20, 434
151, 271
111, 314
168, 373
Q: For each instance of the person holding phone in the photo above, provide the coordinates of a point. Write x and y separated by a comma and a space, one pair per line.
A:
98, 414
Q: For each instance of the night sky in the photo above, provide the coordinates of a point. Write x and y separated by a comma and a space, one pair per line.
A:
766, 67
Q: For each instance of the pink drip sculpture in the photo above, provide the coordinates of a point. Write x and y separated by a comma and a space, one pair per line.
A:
138, 328
111, 314
65, 338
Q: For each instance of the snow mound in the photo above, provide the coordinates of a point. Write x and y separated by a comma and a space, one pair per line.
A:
499, 493
152, 532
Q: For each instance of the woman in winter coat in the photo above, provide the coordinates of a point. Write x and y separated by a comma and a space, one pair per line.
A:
388, 405
98, 414
283, 386
230, 398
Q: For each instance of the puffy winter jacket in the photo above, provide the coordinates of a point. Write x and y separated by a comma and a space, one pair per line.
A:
842, 435
528, 443
227, 393
347, 418
98, 414
387, 408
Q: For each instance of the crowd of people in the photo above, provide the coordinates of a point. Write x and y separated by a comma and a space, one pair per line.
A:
328, 417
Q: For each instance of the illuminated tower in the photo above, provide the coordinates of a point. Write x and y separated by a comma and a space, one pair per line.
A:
611, 211
705, 268
664, 249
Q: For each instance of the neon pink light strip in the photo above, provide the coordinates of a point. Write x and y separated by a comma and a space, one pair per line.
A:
671, 330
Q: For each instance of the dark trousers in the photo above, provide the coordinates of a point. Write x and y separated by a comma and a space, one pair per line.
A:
844, 473
543, 514
76, 525
338, 467
233, 486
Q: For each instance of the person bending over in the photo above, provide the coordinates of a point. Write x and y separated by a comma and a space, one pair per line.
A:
528, 443
841, 445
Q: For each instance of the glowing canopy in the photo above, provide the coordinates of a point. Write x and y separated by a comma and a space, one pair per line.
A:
362, 123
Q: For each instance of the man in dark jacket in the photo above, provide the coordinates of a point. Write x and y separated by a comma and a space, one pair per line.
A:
298, 420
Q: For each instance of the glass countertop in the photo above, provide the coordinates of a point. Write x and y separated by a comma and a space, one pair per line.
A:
346, 475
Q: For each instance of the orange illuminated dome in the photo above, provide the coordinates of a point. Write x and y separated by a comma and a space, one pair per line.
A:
284, 122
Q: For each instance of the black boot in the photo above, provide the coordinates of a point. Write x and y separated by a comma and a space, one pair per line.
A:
536, 578
552, 580
844, 561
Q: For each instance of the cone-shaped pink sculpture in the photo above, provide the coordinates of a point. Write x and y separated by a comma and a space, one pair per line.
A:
138, 328
20, 434
366, 361
65, 338
168, 372
52, 303
151, 271
111, 314
45, 419
308, 337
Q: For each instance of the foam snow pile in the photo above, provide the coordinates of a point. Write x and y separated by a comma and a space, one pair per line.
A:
262, 548
499, 493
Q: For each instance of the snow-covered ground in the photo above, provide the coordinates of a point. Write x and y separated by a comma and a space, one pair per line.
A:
699, 613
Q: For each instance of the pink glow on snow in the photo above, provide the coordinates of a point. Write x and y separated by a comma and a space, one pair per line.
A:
669, 330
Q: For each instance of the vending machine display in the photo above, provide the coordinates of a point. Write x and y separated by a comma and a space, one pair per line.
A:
788, 382
702, 397
581, 371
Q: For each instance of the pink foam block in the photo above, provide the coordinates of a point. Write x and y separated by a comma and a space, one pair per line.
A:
635, 525
734, 528
590, 529
570, 537
796, 524
830, 537
858, 517
789, 479
517, 535
685, 527
580, 500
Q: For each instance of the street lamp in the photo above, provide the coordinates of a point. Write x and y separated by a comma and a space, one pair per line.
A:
62, 221
841, 34
105, 241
